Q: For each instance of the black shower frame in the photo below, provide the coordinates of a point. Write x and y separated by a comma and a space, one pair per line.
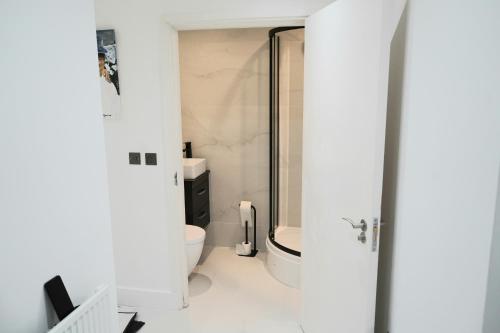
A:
274, 163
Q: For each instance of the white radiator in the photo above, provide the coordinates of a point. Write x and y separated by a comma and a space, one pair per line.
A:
93, 316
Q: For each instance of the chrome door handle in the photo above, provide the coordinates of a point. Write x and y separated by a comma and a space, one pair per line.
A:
362, 224
362, 237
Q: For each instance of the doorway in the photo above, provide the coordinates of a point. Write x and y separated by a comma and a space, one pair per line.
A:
350, 85
224, 77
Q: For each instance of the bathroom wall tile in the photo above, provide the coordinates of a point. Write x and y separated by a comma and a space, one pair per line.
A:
229, 234
225, 111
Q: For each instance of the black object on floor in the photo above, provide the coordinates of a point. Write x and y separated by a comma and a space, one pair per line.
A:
134, 325
254, 251
59, 297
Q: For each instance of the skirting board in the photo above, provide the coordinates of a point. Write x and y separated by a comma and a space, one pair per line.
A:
158, 299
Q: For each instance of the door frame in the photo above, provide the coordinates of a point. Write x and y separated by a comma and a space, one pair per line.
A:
171, 25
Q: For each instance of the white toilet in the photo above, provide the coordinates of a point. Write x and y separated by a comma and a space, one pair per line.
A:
195, 237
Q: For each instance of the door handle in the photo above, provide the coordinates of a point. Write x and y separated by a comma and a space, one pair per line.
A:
362, 225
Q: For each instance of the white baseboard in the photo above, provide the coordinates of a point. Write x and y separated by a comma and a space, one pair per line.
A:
149, 298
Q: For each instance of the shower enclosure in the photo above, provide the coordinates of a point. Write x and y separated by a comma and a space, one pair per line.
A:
286, 58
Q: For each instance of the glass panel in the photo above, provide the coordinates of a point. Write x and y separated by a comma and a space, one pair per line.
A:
286, 101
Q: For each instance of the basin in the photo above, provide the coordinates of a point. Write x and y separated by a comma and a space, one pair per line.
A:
193, 167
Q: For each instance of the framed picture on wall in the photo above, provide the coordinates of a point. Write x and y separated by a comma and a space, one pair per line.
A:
108, 72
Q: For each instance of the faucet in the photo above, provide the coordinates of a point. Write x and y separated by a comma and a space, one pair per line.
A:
188, 150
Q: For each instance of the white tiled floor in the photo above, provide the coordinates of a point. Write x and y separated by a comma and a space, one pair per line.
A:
230, 294
236, 294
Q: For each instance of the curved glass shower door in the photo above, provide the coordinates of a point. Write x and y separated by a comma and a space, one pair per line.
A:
286, 50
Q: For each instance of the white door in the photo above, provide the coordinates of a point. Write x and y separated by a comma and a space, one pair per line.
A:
347, 48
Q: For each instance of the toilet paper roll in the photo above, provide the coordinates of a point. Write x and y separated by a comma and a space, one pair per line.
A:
243, 249
246, 213
247, 248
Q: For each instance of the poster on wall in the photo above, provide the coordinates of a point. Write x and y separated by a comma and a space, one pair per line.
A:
108, 72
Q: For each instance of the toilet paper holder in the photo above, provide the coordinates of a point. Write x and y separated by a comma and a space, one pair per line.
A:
254, 251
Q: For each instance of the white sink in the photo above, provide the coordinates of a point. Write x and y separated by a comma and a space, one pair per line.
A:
193, 167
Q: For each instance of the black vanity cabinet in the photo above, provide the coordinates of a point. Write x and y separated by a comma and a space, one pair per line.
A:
197, 200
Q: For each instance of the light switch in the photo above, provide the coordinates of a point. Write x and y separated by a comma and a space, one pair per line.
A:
151, 159
134, 158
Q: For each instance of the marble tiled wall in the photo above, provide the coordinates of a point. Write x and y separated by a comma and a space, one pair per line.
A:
225, 113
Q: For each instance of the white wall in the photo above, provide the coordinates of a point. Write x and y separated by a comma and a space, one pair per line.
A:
448, 167
53, 192
146, 212
144, 205
193, 14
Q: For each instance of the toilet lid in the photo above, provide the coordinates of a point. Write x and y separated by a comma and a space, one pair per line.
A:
194, 234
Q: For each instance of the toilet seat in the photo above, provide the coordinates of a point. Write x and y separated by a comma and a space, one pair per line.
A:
194, 234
